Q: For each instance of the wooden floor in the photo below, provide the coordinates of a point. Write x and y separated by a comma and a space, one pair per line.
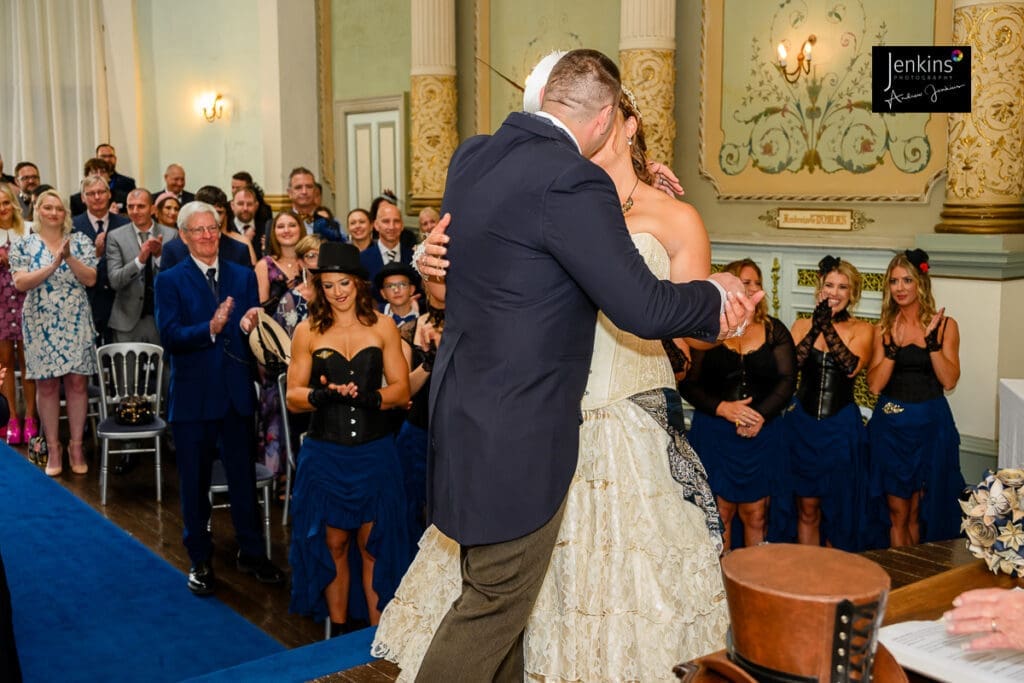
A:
131, 504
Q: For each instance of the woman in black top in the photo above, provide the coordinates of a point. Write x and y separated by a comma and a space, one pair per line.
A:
348, 484
824, 430
915, 446
738, 390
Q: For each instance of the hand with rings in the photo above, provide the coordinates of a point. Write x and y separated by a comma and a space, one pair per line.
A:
995, 615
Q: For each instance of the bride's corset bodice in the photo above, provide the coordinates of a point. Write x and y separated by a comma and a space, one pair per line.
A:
624, 364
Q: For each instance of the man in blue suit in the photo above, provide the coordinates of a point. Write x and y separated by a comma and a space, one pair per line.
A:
229, 249
539, 246
204, 308
95, 223
388, 247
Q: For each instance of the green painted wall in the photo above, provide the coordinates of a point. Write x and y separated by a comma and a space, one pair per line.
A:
371, 43
523, 31
895, 222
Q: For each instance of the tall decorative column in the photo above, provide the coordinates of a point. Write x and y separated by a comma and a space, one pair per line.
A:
434, 135
985, 161
647, 50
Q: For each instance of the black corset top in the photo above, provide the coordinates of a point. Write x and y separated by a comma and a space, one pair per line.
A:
340, 422
824, 387
913, 379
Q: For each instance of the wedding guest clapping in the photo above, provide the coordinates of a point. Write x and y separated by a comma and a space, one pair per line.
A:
915, 445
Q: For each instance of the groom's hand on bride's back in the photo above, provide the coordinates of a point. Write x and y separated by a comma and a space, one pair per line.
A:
738, 309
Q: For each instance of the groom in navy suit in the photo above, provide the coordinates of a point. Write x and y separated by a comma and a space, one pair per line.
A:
540, 245
204, 307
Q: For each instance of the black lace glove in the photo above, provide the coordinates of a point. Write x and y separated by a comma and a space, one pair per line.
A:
429, 356
842, 354
932, 341
680, 363
890, 348
822, 315
322, 396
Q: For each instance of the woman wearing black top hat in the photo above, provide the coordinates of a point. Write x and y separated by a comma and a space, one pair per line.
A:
348, 485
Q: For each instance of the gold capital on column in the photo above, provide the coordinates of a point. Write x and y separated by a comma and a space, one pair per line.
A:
647, 50
985, 161
434, 137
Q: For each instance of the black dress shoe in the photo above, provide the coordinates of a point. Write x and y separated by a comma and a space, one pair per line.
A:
200, 579
262, 568
126, 464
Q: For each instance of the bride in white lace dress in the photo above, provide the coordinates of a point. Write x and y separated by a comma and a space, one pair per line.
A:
634, 585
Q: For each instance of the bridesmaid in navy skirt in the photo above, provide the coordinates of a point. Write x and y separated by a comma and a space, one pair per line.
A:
825, 435
915, 446
739, 390
348, 485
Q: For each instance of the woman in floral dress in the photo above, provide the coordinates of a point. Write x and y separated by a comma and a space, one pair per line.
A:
54, 266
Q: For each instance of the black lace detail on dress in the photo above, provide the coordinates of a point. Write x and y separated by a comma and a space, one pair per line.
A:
684, 463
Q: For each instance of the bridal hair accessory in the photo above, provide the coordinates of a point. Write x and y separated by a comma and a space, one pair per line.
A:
919, 257
992, 521
632, 102
537, 79
828, 264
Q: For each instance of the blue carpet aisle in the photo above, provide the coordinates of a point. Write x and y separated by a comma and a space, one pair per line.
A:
93, 604
301, 664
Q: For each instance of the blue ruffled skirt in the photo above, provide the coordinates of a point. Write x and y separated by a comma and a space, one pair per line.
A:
829, 460
740, 470
914, 447
412, 454
345, 487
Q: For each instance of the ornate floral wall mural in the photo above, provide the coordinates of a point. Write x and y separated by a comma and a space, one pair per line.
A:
812, 135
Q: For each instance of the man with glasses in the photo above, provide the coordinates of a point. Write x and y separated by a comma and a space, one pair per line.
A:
115, 200
388, 247
119, 184
205, 308
95, 223
26, 175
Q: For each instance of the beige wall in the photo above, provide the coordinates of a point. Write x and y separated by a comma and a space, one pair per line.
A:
187, 47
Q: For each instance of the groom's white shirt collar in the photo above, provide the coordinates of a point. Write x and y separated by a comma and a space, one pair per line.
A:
559, 124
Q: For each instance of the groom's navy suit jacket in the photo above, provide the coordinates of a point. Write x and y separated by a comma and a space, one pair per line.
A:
538, 245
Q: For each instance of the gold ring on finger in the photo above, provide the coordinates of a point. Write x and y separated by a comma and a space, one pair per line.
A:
995, 628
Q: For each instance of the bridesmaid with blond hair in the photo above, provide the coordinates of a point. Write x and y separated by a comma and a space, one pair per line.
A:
915, 445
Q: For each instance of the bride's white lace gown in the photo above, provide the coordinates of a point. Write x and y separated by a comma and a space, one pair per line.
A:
634, 585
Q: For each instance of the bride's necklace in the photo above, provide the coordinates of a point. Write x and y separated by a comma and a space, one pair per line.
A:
628, 204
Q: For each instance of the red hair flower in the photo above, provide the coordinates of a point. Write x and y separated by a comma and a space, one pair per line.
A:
923, 267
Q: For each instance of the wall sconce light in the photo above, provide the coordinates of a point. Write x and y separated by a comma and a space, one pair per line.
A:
803, 60
212, 107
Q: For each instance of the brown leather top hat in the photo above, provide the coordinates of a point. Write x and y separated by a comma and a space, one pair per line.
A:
800, 614
338, 257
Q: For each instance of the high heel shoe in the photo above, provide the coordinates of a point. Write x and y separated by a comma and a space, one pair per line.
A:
14, 432
31, 430
78, 464
55, 462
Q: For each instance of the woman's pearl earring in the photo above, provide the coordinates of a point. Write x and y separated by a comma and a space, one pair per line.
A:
629, 141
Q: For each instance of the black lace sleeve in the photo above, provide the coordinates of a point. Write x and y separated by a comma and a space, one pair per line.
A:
772, 405
693, 389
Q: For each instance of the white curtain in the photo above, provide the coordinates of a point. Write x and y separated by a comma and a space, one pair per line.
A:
53, 87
